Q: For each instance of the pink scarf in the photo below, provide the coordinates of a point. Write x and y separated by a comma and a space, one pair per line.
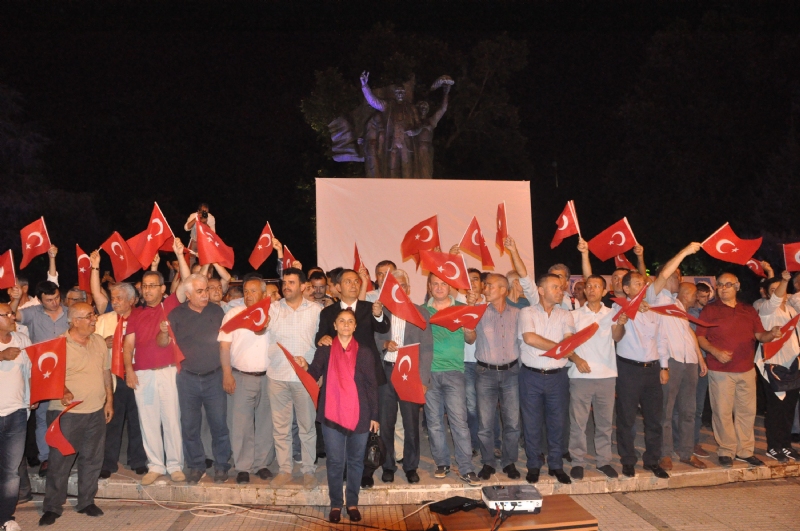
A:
341, 398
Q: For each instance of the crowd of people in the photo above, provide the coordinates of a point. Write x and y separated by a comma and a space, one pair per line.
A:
195, 397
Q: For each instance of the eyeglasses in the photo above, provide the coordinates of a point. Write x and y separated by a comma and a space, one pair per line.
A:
151, 286
87, 317
726, 284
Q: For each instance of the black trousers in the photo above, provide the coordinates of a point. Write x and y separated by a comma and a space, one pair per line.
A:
409, 411
638, 386
779, 417
124, 410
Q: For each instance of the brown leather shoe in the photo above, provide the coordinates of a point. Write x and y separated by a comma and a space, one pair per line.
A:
665, 463
695, 462
699, 452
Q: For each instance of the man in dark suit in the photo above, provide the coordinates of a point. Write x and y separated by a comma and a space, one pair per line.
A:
402, 333
369, 321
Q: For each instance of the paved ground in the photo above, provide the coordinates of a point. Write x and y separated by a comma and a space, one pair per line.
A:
762, 505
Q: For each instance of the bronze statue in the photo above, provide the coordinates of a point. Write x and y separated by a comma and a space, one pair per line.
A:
424, 134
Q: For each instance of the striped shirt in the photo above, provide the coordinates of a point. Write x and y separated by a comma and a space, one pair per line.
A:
295, 330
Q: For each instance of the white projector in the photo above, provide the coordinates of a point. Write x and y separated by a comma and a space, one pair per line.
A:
512, 498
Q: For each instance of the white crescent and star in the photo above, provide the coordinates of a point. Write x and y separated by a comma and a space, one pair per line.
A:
394, 293
261, 319
44, 357
622, 241
2, 271
81, 257
674, 312
722, 242
269, 239
474, 233
404, 359
473, 315
455, 267
430, 233
38, 235
797, 257
160, 229
565, 221
121, 254
756, 265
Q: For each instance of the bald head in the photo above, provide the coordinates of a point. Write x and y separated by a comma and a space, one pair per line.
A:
687, 294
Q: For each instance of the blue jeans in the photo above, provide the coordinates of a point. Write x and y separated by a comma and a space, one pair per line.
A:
205, 391
544, 397
344, 449
472, 403
503, 387
447, 394
13, 428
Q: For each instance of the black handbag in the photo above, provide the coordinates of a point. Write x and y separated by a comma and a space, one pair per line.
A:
375, 453
782, 379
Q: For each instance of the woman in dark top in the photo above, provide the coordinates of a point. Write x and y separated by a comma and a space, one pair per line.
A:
347, 411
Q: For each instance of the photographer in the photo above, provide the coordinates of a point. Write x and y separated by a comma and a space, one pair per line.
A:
203, 216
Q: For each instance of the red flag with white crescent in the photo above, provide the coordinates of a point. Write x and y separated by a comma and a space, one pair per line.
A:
255, 318
306, 379
117, 357
8, 277
629, 307
572, 342
726, 246
55, 437
772, 348
48, 369
672, 310
123, 260
158, 232
263, 249
35, 241
422, 236
566, 225
211, 249
396, 301
452, 268
455, 317
84, 270
502, 227
756, 267
622, 261
405, 375
617, 239
288, 258
474, 244
791, 255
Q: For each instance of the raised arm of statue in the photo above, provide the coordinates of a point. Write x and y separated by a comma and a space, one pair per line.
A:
438, 114
373, 100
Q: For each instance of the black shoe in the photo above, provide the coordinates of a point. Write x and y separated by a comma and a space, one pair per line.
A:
264, 473
34, 461
471, 479
560, 475
412, 476
399, 461
609, 471
194, 476
629, 471
242, 477
25, 499
486, 472
657, 471
567, 457
576, 472
141, 471
209, 463
752, 460
367, 483
441, 471
777, 455
321, 455
105, 474
220, 476
511, 471
43, 472
48, 518
354, 515
725, 461
387, 476
335, 516
532, 476
795, 439
91, 510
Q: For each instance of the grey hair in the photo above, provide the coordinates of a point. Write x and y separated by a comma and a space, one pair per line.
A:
71, 314
80, 292
399, 274
129, 290
187, 284
559, 267
261, 283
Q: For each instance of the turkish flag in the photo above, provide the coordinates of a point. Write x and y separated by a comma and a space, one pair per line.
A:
117, 358
502, 227
177, 353
474, 244
306, 379
452, 268
8, 277
756, 267
55, 437
211, 249
288, 258
358, 263
572, 342
791, 255
253, 318
422, 236
726, 246
622, 261
263, 249
48, 369
35, 241
84, 270
455, 317
157, 234
615, 240
672, 310
772, 348
566, 226
123, 260
405, 375
397, 302
629, 307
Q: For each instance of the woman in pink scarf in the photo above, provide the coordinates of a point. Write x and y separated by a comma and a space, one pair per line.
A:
347, 411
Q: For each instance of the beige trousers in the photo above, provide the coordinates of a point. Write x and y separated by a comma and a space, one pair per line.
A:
733, 404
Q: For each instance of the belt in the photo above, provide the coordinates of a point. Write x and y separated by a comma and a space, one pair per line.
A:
202, 374
497, 367
388, 363
262, 373
545, 371
642, 364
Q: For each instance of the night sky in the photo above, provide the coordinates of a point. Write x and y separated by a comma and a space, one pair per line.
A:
184, 102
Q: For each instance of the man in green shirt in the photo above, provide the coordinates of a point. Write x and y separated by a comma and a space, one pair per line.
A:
447, 389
